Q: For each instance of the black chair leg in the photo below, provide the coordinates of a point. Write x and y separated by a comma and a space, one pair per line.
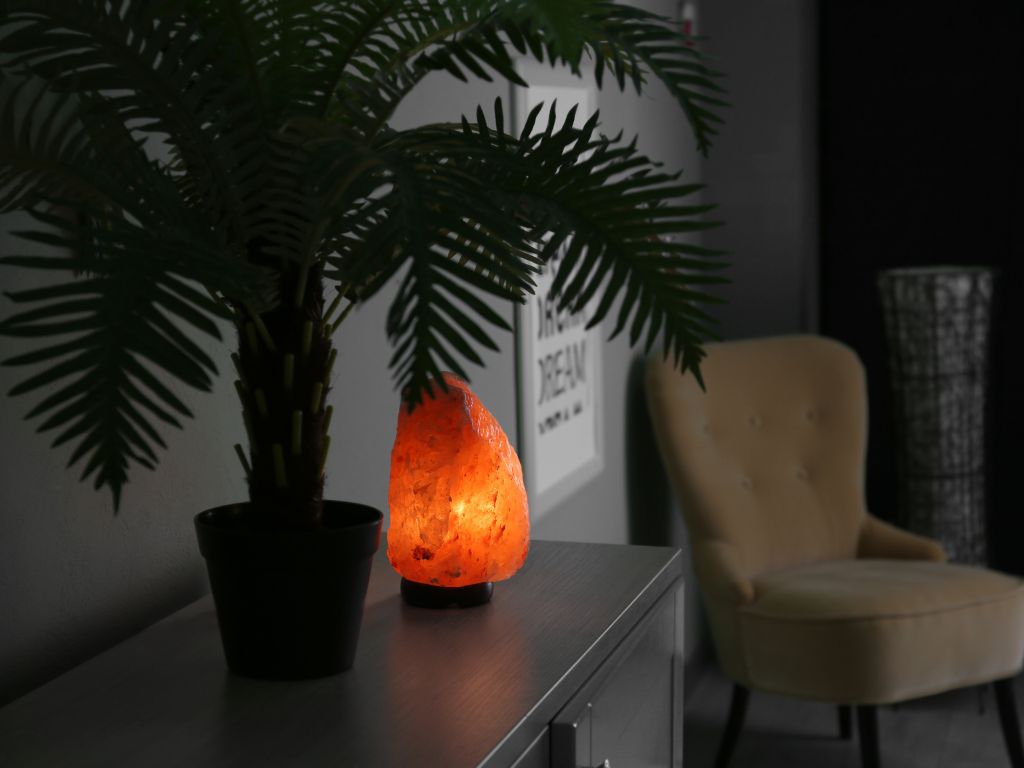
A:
867, 725
845, 723
733, 726
1007, 705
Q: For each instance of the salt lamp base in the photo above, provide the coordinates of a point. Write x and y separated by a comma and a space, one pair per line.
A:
431, 596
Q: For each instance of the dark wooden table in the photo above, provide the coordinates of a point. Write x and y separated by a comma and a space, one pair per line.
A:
476, 687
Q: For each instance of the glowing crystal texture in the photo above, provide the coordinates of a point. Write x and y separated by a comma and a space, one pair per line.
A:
458, 505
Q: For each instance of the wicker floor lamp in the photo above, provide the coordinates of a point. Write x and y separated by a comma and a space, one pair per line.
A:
938, 328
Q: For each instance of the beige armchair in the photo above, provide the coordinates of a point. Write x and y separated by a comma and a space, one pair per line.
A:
807, 594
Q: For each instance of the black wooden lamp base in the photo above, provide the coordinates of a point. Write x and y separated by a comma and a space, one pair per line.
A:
430, 596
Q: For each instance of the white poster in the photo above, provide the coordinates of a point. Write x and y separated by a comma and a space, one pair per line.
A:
559, 362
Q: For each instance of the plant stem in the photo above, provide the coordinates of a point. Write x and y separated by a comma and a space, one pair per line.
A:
282, 361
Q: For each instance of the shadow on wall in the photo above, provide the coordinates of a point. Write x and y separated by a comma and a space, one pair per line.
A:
647, 489
654, 518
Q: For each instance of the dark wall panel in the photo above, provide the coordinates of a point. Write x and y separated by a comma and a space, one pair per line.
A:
922, 131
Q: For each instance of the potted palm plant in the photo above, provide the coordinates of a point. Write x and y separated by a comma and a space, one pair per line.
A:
232, 160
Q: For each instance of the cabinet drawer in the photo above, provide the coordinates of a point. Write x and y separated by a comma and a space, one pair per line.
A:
628, 714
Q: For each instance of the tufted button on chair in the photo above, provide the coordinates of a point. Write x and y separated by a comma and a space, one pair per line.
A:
808, 594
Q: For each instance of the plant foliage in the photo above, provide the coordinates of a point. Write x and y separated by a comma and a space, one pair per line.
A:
217, 153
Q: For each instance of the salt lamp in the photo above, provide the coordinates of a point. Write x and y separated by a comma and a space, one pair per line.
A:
459, 514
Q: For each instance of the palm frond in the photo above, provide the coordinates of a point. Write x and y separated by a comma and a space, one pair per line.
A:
367, 66
613, 212
159, 76
109, 337
631, 43
634, 43
396, 44
443, 223
621, 221
59, 154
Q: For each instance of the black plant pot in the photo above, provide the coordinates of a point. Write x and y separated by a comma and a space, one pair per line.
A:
289, 602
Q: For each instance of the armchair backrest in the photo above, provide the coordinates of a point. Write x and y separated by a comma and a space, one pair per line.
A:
769, 461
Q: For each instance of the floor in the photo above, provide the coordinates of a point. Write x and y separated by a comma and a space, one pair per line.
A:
947, 731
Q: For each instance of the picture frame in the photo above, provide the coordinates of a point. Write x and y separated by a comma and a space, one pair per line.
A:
560, 408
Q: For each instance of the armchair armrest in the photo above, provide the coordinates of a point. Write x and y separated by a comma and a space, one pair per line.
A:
717, 564
879, 539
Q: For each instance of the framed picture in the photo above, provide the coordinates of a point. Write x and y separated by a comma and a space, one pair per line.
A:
558, 362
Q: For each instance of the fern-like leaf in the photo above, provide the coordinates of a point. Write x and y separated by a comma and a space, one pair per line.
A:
110, 337
618, 217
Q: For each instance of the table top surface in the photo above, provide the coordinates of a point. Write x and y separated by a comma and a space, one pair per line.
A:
445, 688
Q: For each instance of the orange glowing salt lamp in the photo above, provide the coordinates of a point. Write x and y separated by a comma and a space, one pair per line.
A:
459, 515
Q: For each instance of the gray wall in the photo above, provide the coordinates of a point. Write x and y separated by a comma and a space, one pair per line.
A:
764, 168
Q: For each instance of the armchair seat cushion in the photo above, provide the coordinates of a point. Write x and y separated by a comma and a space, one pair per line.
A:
880, 631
